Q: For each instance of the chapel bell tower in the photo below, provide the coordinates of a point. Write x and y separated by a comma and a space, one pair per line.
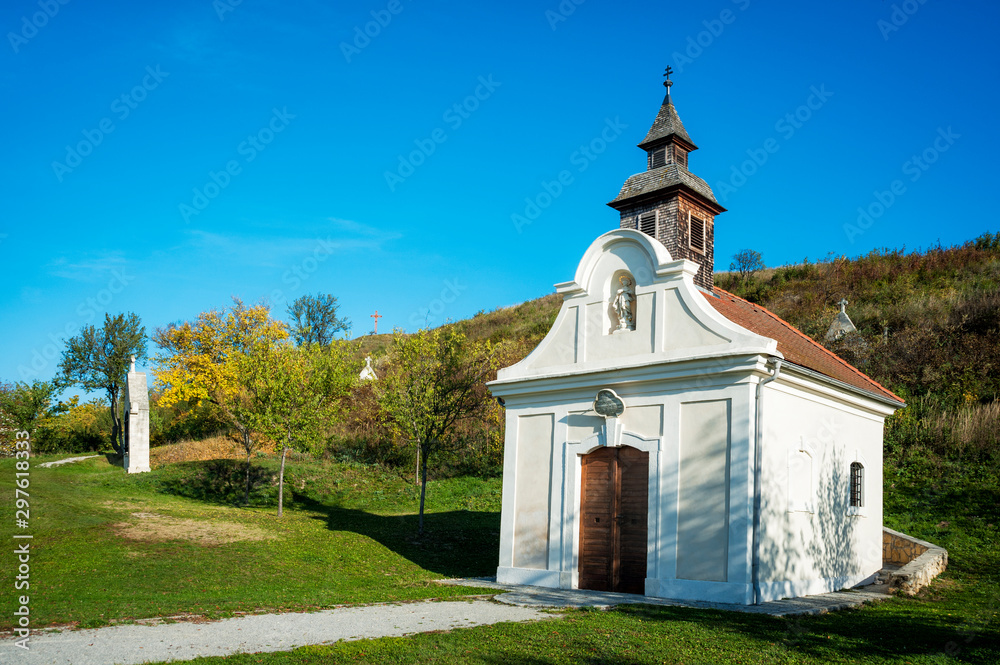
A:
667, 201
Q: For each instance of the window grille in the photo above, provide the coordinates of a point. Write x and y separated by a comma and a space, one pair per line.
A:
857, 485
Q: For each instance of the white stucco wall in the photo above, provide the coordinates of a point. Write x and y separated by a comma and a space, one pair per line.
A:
811, 541
698, 433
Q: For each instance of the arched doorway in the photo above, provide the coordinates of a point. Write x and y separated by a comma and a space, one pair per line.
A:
613, 512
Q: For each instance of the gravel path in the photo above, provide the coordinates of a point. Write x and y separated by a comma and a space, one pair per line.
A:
66, 461
263, 632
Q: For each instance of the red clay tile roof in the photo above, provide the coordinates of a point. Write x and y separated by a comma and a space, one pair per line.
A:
795, 346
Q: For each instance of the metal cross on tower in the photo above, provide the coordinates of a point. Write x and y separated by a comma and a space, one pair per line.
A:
376, 316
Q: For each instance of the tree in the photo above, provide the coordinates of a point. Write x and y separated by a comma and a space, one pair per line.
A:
200, 363
27, 403
72, 427
293, 395
315, 320
99, 359
22, 407
747, 262
435, 380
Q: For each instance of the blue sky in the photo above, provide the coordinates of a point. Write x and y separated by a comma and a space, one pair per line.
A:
160, 158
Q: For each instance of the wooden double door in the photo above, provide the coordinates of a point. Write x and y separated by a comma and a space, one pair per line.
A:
614, 504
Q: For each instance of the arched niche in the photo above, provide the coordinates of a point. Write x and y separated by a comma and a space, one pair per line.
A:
620, 297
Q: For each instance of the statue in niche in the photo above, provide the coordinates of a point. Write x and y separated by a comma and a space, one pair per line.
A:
622, 303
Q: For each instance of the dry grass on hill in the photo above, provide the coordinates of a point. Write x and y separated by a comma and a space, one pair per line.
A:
215, 447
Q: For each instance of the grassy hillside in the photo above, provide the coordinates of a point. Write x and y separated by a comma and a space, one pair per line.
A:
928, 328
929, 320
522, 325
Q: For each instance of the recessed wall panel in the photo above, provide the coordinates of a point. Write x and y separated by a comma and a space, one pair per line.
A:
531, 505
703, 491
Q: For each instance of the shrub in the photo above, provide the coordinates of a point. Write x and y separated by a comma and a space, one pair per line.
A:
75, 428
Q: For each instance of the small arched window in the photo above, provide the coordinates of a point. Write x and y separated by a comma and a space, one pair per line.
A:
857, 485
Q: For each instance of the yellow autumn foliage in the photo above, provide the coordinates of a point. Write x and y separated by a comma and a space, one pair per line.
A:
199, 360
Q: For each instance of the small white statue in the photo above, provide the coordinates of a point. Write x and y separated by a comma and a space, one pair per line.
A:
368, 374
623, 304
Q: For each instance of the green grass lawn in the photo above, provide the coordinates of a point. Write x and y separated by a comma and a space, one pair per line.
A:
899, 632
109, 546
348, 536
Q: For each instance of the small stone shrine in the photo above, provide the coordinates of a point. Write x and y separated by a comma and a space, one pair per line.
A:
841, 325
136, 423
367, 373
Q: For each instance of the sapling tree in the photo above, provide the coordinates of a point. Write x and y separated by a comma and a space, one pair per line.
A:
293, 395
435, 379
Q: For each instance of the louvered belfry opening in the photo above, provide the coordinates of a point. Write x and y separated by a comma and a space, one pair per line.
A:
658, 158
697, 234
647, 223
613, 513
667, 201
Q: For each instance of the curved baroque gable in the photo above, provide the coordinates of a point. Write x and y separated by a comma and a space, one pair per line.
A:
631, 304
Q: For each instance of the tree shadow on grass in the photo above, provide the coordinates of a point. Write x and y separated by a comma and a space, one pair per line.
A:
847, 634
455, 544
220, 481
459, 543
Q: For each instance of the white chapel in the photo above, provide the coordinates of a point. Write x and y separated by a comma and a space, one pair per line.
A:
668, 438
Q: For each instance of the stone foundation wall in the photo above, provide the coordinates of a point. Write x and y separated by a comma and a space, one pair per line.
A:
899, 549
919, 561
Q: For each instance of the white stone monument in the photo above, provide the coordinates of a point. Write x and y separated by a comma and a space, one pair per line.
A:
368, 374
136, 421
842, 324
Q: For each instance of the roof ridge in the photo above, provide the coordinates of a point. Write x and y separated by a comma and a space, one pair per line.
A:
813, 342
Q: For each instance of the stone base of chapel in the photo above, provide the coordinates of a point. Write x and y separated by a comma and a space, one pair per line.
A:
695, 590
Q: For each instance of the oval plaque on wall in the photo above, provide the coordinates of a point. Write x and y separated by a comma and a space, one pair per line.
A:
609, 404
